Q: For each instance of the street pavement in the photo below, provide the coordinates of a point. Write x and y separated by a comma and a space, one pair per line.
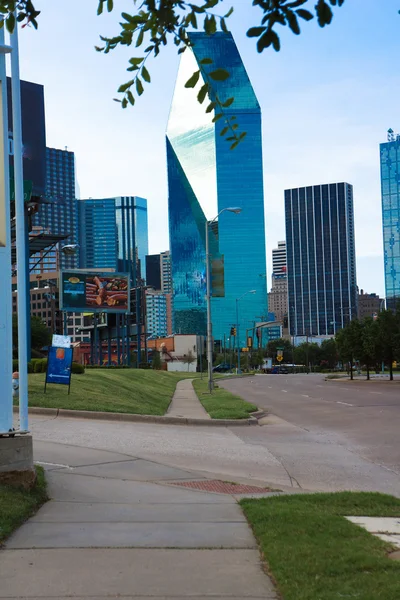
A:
329, 435
116, 527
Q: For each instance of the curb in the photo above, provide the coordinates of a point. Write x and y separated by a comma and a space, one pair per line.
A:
131, 418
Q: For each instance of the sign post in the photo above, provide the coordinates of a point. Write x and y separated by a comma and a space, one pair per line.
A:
59, 365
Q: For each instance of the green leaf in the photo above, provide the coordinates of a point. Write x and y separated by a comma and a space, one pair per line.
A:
293, 22
146, 74
193, 20
228, 102
117, 100
235, 144
10, 23
136, 61
304, 14
224, 131
211, 107
140, 38
110, 5
206, 61
202, 93
217, 117
242, 135
223, 25
139, 87
122, 88
255, 31
219, 75
100, 7
130, 98
228, 14
191, 83
124, 103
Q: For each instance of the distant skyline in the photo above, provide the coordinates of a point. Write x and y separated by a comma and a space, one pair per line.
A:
327, 99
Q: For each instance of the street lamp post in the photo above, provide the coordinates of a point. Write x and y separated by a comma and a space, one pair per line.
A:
237, 323
235, 210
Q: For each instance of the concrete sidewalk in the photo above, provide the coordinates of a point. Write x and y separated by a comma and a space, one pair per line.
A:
185, 402
116, 527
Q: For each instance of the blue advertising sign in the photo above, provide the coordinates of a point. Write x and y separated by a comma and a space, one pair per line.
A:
59, 363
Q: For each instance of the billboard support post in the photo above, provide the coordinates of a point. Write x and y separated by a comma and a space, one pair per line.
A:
6, 401
22, 266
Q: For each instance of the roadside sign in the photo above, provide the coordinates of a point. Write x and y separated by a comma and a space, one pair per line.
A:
61, 341
279, 358
279, 354
59, 364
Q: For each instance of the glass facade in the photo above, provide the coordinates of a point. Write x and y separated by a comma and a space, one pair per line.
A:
113, 233
321, 265
204, 177
59, 215
156, 315
390, 183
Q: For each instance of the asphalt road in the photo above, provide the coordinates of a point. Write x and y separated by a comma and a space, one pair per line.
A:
328, 432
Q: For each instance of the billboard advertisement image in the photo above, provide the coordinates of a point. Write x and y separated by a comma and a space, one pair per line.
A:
88, 291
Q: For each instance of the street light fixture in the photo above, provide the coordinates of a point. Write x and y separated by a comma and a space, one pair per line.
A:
236, 210
237, 323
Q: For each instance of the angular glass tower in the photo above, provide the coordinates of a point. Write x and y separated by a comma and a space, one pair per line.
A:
390, 182
204, 177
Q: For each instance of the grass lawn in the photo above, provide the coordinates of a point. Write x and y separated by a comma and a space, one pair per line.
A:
137, 391
221, 404
17, 504
313, 553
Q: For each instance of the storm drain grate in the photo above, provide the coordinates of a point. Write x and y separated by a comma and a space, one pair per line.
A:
221, 487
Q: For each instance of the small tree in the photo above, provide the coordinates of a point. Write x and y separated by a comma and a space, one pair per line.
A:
156, 362
189, 358
329, 353
349, 342
389, 337
370, 342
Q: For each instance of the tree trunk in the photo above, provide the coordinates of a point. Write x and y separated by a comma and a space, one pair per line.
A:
391, 370
367, 371
351, 369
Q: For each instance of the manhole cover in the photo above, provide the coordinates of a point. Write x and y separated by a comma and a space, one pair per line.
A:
221, 487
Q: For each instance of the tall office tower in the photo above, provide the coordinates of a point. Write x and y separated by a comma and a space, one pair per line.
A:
279, 259
113, 233
166, 276
204, 177
390, 184
153, 271
156, 314
59, 213
321, 261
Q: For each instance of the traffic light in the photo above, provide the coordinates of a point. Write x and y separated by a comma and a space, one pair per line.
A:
249, 342
233, 331
218, 277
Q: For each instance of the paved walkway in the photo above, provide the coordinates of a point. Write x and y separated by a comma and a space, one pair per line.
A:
116, 527
185, 402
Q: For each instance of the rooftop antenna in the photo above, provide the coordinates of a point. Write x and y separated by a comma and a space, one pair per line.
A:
390, 135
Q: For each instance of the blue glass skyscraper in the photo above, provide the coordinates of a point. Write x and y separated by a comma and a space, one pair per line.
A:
206, 176
390, 183
113, 233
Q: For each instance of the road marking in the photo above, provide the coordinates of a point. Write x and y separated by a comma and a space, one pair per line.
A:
305, 396
320, 386
40, 462
345, 403
270, 387
284, 391
347, 389
380, 393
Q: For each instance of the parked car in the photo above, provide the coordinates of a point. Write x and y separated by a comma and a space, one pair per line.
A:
279, 370
222, 368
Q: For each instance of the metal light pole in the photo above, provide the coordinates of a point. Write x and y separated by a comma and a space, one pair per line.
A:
237, 323
235, 210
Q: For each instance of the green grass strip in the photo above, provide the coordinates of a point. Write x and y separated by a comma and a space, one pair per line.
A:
222, 404
17, 504
134, 391
313, 553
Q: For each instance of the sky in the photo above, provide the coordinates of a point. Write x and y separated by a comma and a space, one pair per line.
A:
327, 99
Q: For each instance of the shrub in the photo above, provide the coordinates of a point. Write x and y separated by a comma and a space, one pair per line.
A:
40, 365
16, 368
77, 369
107, 367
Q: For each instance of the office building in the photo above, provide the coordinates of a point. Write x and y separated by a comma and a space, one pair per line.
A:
113, 234
156, 314
321, 262
279, 260
58, 211
390, 186
204, 177
278, 297
153, 271
158, 271
166, 276
368, 305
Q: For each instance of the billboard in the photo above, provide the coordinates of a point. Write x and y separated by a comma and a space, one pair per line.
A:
33, 134
90, 291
